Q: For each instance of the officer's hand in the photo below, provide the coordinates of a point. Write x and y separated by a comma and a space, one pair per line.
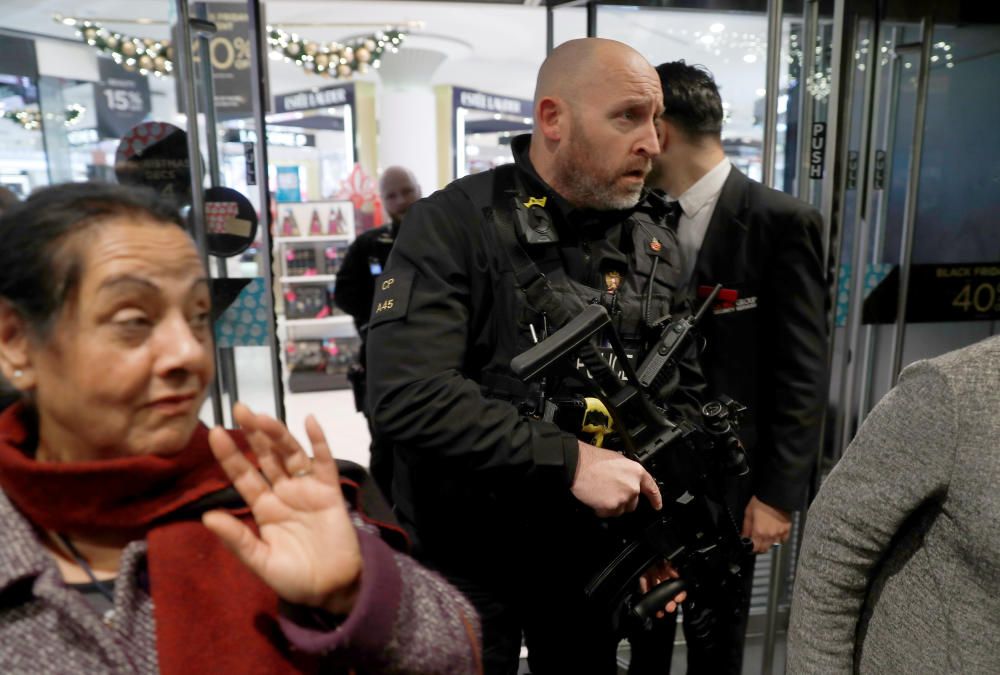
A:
611, 483
653, 577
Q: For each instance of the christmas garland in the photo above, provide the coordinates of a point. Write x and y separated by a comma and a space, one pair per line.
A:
331, 59
32, 119
143, 54
334, 59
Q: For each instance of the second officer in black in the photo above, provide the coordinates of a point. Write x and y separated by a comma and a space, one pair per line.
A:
364, 261
502, 503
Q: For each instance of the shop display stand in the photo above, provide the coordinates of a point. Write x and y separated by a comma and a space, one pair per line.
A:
320, 341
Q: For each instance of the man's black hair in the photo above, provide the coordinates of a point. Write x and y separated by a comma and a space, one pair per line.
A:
691, 99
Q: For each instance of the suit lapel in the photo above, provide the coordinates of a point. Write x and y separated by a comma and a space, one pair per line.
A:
725, 233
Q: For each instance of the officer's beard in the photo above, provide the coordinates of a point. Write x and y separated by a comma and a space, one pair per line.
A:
586, 181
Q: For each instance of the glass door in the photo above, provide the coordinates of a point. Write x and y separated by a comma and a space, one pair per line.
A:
219, 60
925, 219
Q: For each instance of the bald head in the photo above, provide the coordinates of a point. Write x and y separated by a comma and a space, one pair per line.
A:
596, 102
399, 189
575, 64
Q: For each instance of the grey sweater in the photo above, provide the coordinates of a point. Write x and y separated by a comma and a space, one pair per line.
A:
406, 619
900, 564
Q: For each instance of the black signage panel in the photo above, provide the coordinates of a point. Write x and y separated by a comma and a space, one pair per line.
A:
250, 162
817, 150
278, 137
314, 99
121, 99
879, 176
18, 74
229, 53
479, 100
939, 293
155, 154
852, 170
230, 222
18, 57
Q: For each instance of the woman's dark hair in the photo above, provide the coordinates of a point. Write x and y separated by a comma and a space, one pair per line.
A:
691, 99
38, 270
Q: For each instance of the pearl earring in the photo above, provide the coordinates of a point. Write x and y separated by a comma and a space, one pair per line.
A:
18, 373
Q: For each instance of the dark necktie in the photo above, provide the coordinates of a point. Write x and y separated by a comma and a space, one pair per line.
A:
674, 213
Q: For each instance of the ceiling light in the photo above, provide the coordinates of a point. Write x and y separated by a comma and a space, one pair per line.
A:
750, 58
716, 28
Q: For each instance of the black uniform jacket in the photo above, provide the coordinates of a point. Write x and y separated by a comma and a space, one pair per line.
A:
767, 347
355, 286
445, 311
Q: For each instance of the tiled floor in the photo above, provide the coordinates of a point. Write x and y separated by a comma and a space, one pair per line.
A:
346, 429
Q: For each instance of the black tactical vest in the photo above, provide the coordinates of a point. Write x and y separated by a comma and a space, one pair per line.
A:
638, 260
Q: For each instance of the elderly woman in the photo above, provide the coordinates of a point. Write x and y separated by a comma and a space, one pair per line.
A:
125, 548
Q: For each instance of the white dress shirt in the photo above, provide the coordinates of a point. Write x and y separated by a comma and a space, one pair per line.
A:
698, 203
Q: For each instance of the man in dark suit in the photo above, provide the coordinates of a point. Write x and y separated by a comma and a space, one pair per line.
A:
766, 335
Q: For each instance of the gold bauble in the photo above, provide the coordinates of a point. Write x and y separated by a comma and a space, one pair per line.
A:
363, 55
293, 49
145, 62
322, 60
149, 42
311, 48
128, 48
370, 45
344, 70
112, 43
160, 63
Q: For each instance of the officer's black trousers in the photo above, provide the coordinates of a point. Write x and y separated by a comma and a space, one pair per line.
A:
561, 634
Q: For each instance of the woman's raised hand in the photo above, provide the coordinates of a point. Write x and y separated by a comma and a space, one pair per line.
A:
307, 549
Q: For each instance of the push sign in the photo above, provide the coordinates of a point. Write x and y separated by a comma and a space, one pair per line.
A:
817, 150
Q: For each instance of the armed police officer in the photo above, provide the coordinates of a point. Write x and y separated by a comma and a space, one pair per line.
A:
355, 288
503, 503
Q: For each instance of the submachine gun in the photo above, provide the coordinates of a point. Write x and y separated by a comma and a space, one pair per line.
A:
694, 531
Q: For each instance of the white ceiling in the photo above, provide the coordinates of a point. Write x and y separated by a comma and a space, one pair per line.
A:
495, 48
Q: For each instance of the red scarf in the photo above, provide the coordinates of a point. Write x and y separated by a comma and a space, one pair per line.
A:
212, 614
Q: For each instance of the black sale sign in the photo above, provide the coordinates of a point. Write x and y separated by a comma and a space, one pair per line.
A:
938, 293
229, 54
121, 99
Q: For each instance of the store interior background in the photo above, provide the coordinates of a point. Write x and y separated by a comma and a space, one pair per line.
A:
409, 112
491, 48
